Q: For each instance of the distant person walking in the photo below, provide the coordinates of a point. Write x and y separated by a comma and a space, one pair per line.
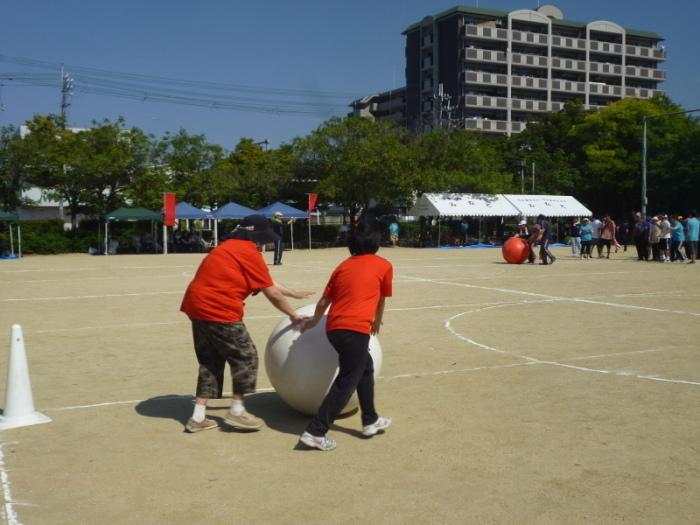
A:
546, 256
654, 238
575, 235
665, 238
677, 239
693, 237
464, 230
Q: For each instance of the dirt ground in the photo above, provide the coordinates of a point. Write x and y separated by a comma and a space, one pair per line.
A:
520, 394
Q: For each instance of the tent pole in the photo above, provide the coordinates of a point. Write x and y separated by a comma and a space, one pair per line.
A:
165, 238
309, 221
439, 231
106, 252
12, 240
216, 232
291, 232
19, 240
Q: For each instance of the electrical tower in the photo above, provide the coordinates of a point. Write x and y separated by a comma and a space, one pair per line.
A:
66, 91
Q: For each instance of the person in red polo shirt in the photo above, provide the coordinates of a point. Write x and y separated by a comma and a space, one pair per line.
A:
355, 293
214, 302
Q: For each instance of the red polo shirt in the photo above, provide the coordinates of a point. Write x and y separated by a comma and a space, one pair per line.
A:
229, 274
354, 289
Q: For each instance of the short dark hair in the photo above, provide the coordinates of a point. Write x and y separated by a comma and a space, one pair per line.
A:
691, 213
362, 243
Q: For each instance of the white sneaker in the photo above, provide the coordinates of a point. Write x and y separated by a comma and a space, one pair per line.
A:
319, 442
382, 423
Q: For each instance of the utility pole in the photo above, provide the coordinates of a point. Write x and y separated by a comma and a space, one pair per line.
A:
533, 178
66, 90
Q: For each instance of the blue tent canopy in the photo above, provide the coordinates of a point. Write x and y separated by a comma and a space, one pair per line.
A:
232, 211
185, 210
287, 211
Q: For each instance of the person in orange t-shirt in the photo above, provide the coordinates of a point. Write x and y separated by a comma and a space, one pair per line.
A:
214, 302
355, 293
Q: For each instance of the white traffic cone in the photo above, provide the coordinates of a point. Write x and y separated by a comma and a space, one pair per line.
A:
19, 403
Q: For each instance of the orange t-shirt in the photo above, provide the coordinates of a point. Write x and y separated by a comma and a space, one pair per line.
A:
354, 289
229, 274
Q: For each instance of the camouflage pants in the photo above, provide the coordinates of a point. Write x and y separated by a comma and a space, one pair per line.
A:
216, 344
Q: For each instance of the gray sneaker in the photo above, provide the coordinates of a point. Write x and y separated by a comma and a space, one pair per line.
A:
193, 426
382, 423
319, 442
245, 421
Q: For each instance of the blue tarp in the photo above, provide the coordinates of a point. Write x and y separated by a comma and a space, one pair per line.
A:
184, 210
232, 211
287, 211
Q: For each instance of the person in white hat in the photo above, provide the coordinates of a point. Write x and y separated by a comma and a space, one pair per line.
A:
278, 227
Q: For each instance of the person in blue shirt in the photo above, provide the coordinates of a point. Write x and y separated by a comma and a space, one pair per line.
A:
586, 231
693, 229
394, 233
677, 239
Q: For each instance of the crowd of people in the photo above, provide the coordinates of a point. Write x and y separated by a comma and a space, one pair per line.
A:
661, 238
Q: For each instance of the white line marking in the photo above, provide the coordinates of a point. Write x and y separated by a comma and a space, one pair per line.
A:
534, 360
554, 297
96, 268
8, 507
74, 297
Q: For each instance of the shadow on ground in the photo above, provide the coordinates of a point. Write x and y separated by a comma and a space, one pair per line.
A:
172, 406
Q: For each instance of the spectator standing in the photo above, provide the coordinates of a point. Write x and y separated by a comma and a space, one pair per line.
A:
665, 238
278, 225
654, 238
597, 225
640, 235
464, 229
693, 228
394, 233
677, 239
586, 231
607, 235
575, 234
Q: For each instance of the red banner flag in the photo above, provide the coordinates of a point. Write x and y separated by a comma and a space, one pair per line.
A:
169, 209
313, 197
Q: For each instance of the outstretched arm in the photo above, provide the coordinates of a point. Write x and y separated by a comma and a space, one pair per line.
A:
321, 308
276, 297
294, 294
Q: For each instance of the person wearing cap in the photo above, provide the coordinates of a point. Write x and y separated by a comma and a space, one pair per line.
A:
524, 234
214, 302
586, 232
546, 256
278, 227
692, 226
575, 234
677, 239
654, 238
665, 238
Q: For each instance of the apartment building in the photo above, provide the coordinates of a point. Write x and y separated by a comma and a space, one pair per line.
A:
490, 70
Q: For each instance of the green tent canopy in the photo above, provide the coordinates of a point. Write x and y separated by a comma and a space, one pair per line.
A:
7, 216
133, 214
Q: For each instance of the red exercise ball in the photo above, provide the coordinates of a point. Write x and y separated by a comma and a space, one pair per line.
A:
515, 250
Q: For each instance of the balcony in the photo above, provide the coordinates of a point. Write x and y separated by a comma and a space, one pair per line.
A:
607, 48
636, 92
479, 77
485, 33
605, 90
483, 55
529, 60
483, 101
497, 126
527, 37
568, 86
600, 68
518, 104
568, 42
569, 64
646, 73
528, 82
650, 53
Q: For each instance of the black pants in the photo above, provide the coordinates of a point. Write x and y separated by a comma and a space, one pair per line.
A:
676, 253
356, 372
585, 248
279, 248
545, 255
642, 245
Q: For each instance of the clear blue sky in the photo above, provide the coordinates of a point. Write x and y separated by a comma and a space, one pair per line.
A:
343, 48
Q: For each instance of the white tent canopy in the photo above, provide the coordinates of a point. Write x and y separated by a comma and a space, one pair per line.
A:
548, 205
463, 205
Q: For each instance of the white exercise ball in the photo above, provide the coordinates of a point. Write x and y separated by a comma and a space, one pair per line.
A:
302, 367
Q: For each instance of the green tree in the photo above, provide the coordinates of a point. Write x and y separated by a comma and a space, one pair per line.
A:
12, 170
358, 162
